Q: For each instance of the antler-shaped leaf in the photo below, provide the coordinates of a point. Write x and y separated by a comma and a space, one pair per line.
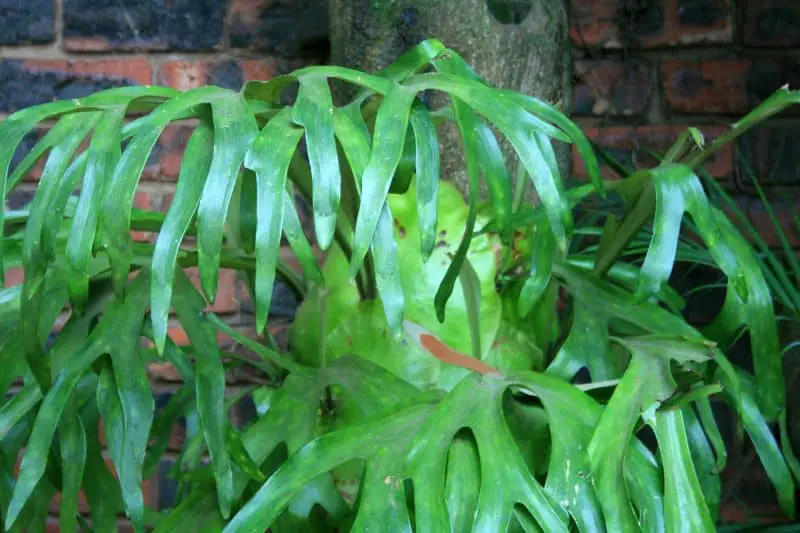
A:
118, 330
677, 190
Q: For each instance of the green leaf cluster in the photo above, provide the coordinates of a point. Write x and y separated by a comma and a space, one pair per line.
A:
371, 421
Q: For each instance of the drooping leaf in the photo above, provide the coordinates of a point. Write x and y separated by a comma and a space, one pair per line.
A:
387, 270
234, 130
686, 509
137, 404
269, 158
766, 445
119, 327
72, 443
703, 462
209, 386
104, 152
427, 176
314, 111
387, 148
543, 246
468, 126
191, 180
293, 230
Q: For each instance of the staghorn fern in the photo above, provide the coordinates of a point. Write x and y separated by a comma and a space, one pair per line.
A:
539, 453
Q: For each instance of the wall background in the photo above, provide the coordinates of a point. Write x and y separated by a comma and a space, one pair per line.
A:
644, 71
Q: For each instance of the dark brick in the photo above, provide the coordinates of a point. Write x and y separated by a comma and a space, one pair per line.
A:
28, 82
102, 25
701, 12
243, 412
26, 21
784, 208
771, 22
646, 18
767, 75
283, 304
612, 87
770, 154
169, 151
19, 198
650, 23
226, 74
286, 28
25, 146
712, 86
194, 25
167, 485
114, 24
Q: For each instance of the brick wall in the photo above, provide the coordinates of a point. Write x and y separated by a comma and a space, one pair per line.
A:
647, 69
70, 48
644, 71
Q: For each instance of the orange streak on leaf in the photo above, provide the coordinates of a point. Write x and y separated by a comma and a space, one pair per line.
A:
441, 352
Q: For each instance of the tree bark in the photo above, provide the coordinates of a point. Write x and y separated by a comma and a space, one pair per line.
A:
521, 45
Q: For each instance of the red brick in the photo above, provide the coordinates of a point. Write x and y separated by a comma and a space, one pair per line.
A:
229, 73
711, 86
142, 200
134, 69
167, 371
771, 22
611, 87
13, 277
655, 23
258, 69
169, 151
183, 75
226, 300
83, 505
595, 23
630, 144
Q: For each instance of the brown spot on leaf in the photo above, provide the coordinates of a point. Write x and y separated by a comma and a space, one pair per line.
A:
400, 229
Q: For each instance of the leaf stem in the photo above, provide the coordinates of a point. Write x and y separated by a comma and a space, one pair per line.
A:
250, 344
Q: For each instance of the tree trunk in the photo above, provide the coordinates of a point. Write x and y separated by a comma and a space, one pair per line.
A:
514, 44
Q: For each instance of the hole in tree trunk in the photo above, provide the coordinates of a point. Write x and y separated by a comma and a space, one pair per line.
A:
509, 11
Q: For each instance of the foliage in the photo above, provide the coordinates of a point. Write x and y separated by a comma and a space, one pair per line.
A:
435, 380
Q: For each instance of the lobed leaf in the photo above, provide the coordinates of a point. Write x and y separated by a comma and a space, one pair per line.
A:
119, 327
